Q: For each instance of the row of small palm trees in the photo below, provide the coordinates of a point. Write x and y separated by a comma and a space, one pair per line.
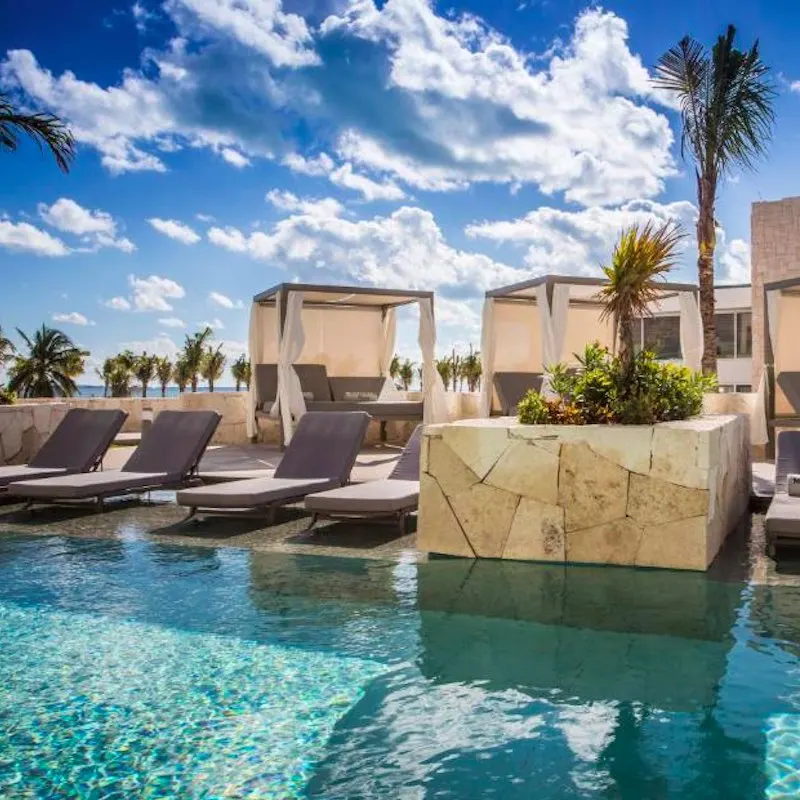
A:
198, 360
456, 371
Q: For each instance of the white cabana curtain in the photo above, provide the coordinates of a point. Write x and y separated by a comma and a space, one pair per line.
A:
256, 352
553, 327
759, 427
487, 357
435, 400
389, 335
691, 331
289, 401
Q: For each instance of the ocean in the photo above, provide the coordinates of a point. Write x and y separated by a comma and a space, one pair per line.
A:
152, 391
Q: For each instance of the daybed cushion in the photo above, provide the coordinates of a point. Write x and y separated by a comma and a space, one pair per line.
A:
88, 484
380, 409
314, 380
267, 385
251, 493
343, 388
374, 497
11, 474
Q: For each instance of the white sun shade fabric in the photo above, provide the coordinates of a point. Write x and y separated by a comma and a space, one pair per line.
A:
553, 322
435, 401
487, 357
759, 428
691, 331
262, 345
389, 337
289, 401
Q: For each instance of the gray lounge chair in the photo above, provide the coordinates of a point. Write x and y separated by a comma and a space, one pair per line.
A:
392, 498
782, 521
511, 387
78, 444
167, 457
319, 456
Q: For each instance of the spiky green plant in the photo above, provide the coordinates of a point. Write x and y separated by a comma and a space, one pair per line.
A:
213, 365
194, 353
241, 371
49, 367
164, 370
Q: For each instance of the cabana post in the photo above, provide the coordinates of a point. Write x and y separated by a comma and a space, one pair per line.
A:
325, 347
534, 324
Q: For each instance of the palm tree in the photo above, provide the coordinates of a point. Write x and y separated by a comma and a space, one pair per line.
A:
45, 129
406, 373
194, 353
181, 374
445, 367
394, 367
121, 373
642, 256
144, 369
7, 348
240, 369
213, 365
727, 116
163, 373
471, 370
49, 367
104, 373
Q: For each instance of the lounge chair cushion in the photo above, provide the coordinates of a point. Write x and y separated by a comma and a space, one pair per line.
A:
84, 485
783, 516
511, 387
373, 497
80, 440
314, 380
407, 466
21, 472
252, 493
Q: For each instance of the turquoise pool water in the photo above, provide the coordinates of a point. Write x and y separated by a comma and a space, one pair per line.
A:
129, 669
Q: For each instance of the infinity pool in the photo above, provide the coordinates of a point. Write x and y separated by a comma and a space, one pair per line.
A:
130, 669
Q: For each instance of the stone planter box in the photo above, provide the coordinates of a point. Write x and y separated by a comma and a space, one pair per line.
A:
665, 495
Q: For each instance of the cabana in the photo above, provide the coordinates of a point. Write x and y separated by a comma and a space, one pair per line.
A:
341, 340
531, 325
778, 398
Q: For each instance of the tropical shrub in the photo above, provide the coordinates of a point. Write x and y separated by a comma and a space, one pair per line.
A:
7, 398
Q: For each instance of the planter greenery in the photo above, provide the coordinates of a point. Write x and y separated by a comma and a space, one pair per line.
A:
7, 398
627, 388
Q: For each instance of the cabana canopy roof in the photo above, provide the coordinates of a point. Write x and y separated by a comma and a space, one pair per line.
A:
318, 295
581, 289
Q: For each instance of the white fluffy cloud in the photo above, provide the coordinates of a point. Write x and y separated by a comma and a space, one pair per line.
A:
118, 303
95, 229
152, 293
224, 301
403, 95
172, 322
215, 324
22, 237
794, 86
175, 230
73, 318
735, 261
405, 249
161, 345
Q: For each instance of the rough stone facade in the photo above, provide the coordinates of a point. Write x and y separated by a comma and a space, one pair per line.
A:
24, 429
775, 239
659, 496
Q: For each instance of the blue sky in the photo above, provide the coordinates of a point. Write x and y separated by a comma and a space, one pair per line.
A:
228, 145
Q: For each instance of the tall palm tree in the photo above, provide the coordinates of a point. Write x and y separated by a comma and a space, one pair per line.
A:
48, 368
213, 366
164, 370
144, 369
194, 353
181, 374
240, 370
46, 130
121, 373
104, 373
471, 369
641, 259
726, 112
406, 374
7, 348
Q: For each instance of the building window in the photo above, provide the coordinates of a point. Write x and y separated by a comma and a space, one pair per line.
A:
662, 336
726, 335
744, 387
744, 338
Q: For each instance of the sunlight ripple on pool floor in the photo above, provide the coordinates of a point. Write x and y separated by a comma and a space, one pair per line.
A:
250, 723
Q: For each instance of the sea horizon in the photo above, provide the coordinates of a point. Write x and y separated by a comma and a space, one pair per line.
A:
91, 390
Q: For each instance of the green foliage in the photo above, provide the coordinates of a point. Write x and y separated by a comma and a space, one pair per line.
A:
181, 374
605, 390
213, 365
405, 373
7, 398
194, 354
241, 371
144, 368
49, 367
163, 373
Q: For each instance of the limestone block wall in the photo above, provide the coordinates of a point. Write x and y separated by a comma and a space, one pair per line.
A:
775, 240
24, 428
661, 496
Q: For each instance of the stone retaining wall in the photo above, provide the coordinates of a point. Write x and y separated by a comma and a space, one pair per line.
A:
662, 496
25, 427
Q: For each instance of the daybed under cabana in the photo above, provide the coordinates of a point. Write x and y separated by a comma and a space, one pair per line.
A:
320, 348
778, 399
531, 325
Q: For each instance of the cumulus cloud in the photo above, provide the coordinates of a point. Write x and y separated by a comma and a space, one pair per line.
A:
397, 94
172, 322
175, 230
73, 318
95, 229
794, 86
215, 324
405, 249
734, 260
224, 301
153, 293
161, 345
22, 237
118, 303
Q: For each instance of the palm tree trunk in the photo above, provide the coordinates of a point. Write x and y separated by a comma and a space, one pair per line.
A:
238, 384
210, 384
144, 390
625, 324
706, 245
